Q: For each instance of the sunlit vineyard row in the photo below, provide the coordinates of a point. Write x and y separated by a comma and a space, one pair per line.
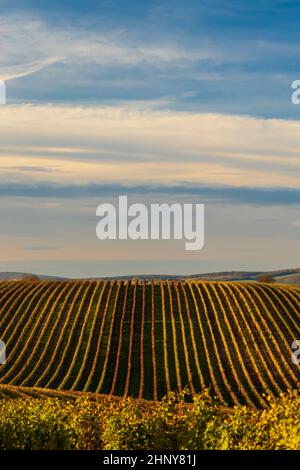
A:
144, 339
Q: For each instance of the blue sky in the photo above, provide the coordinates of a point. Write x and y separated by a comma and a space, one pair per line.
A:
243, 55
177, 99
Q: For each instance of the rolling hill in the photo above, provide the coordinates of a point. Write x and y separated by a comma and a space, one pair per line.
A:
145, 338
287, 276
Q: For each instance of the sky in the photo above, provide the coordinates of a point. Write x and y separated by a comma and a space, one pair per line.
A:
163, 101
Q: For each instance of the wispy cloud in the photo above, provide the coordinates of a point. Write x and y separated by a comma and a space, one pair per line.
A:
273, 196
22, 70
33, 38
22, 36
107, 145
41, 248
296, 223
105, 63
28, 169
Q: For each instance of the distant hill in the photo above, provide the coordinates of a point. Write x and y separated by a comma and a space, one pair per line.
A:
290, 279
287, 276
17, 275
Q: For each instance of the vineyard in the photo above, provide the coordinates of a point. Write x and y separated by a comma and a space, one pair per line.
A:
145, 339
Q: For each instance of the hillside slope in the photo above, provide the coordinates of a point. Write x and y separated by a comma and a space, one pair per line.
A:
287, 276
292, 279
144, 339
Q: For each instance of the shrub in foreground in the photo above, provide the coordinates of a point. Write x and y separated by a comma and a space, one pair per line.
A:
106, 423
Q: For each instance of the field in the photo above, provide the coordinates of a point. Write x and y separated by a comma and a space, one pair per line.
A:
145, 339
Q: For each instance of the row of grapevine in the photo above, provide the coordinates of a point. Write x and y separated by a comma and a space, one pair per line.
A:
36, 338
238, 346
59, 313
21, 329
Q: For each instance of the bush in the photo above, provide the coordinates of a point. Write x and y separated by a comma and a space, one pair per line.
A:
172, 424
266, 278
30, 278
35, 424
126, 427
